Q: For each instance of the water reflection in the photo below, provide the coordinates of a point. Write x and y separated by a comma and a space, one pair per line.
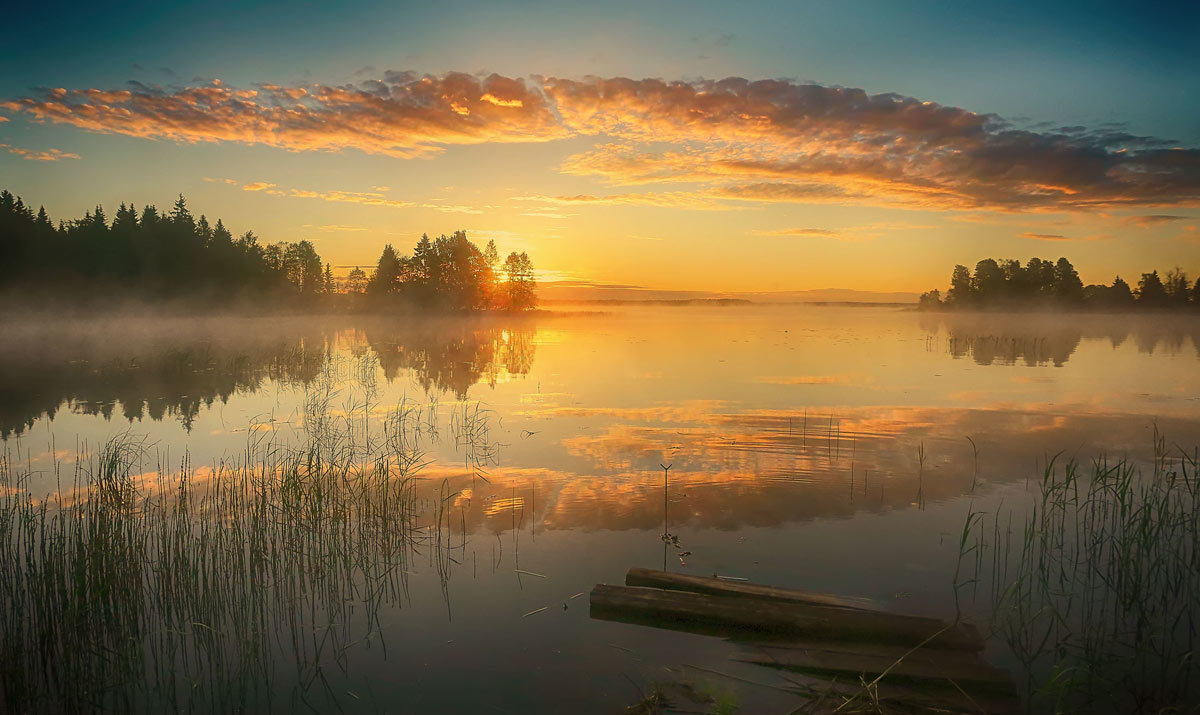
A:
158, 370
768, 417
452, 358
1035, 340
758, 469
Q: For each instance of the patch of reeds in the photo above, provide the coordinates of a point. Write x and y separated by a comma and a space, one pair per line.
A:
1095, 588
234, 588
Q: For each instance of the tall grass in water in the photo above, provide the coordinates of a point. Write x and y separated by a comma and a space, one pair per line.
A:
235, 588
1097, 592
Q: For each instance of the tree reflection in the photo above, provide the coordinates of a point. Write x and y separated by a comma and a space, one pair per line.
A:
1048, 339
164, 371
452, 358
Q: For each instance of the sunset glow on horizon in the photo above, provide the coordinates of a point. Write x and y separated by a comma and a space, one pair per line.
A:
579, 139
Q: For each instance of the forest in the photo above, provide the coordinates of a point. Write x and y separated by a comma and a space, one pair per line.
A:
1005, 283
149, 255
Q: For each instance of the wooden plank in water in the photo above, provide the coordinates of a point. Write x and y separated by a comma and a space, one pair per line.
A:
718, 587
668, 609
937, 667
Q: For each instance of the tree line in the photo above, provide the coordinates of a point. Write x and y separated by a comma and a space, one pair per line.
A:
153, 255
1005, 283
450, 273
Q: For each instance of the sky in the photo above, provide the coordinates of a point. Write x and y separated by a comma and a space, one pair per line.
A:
709, 146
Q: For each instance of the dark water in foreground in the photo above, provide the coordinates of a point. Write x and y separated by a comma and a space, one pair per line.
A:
794, 437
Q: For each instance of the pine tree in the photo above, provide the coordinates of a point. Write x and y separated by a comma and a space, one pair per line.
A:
356, 281
221, 237
1120, 294
203, 230
386, 279
180, 215
1151, 293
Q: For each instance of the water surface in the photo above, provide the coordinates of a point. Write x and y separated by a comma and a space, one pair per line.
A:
818, 447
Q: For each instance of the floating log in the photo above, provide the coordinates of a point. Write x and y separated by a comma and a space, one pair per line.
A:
797, 619
913, 663
718, 587
949, 668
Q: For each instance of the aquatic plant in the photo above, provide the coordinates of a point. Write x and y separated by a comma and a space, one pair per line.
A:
231, 587
1095, 590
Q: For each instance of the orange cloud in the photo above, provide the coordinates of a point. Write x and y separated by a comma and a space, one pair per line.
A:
796, 142
741, 140
35, 155
802, 233
1045, 236
367, 198
493, 99
402, 115
1152, 219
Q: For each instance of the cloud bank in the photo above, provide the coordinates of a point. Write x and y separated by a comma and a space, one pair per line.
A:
402, 115
694, 144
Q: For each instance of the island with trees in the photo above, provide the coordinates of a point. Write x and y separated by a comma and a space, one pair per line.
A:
1003, 284
174, 256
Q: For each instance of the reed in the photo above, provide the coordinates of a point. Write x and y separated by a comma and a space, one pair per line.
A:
235, 587
1095, 588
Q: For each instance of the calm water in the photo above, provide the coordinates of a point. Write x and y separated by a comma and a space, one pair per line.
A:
794, 437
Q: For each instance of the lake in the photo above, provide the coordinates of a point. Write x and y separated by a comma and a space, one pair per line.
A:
831, 448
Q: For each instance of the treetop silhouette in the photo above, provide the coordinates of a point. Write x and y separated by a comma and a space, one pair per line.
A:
1006, 284
150, 255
